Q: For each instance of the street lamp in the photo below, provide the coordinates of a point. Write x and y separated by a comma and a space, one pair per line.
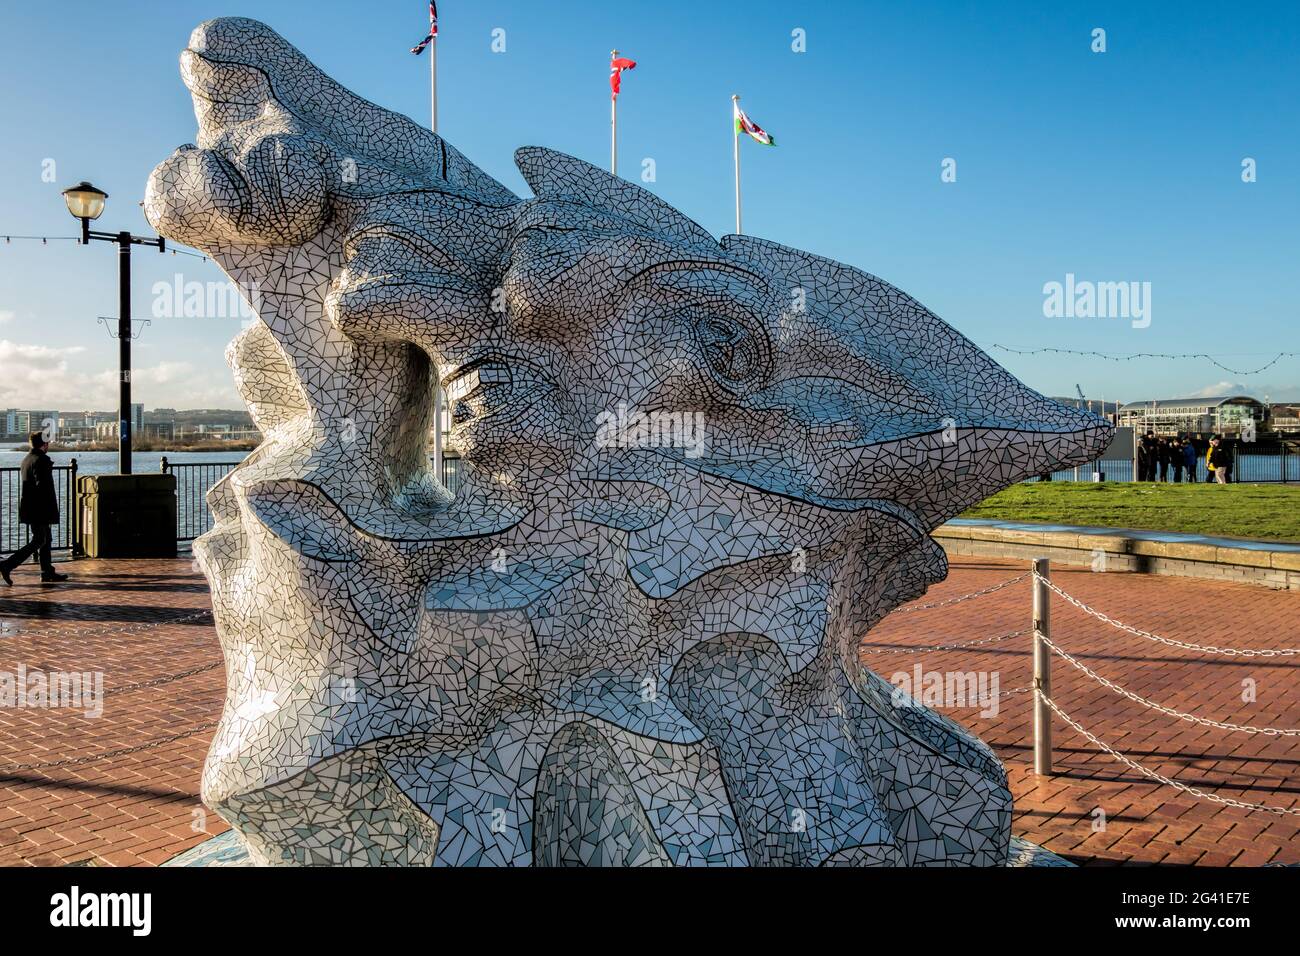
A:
86, 202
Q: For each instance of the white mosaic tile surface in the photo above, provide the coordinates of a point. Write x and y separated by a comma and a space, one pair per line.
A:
606, 653
228, 850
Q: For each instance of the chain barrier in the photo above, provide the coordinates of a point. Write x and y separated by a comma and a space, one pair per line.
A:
1137, 632
1192, 718
947, 647
107, 755
110, 630
140, 685
965, 597
1168, 781
163, 680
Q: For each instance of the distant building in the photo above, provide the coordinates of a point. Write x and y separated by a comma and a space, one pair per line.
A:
21, 422
161, 430
106, 425
43, 420
17, 422
1098, 407
76, 427
1286, 419
1196, 416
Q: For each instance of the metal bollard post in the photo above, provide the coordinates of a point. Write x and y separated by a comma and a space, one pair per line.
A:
74, 535
1042, 670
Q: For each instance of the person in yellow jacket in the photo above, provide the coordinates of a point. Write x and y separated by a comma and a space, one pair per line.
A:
1209, 469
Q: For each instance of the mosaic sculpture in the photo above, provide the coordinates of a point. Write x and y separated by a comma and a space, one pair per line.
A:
694, 474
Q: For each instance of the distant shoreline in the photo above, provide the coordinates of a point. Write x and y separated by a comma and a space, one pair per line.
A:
149, 446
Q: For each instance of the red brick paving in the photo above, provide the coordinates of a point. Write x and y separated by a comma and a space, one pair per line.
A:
1146, 822
122, 618
133, 808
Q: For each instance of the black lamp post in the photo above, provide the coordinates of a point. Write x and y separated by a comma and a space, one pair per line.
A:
85, 202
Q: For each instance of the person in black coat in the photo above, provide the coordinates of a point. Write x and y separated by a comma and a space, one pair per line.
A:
38, 508
1148, 456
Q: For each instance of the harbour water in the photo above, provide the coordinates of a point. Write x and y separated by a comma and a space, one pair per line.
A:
105, 462
193, 517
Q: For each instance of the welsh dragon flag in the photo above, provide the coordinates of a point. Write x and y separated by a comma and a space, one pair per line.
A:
746, 125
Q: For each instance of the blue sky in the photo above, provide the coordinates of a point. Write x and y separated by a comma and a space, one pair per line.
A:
1118, 166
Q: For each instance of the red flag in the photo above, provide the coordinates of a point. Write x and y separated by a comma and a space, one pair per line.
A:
616, 68
433, 29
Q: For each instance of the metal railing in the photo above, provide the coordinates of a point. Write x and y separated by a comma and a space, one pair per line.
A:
195, 479
1042, 650
1045, 706
1256, 463
451, 472
193, 482
1112, 469
13, 534
193, 516
1252, 464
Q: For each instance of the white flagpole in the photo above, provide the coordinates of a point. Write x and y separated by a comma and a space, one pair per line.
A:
433, 83
613, 122
735, 129
437, 386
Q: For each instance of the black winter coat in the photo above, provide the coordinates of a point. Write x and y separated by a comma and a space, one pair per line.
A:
38, 502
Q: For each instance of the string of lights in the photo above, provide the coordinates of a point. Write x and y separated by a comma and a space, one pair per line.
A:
1149, 355
1085, 353
46, 240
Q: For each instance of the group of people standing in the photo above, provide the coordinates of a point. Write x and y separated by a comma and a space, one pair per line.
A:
1165, 459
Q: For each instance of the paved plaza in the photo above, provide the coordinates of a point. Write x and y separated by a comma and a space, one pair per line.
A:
122, 788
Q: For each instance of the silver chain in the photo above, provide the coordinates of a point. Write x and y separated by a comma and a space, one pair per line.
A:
1134, 765
1204, 649
107, 755
108, 631
163, 680
946, 647
965, 597
1221, 725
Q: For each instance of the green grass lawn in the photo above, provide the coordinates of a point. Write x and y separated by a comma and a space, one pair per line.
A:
1244, 511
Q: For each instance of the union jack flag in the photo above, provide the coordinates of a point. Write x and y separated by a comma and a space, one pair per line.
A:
433, 29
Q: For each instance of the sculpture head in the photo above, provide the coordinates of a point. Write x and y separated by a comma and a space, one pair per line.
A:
694, 473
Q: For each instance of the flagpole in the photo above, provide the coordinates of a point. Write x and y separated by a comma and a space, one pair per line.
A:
735, 144
613, 124
433, 83
438, 397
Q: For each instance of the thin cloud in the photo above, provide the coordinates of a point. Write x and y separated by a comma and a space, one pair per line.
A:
1273, 392
45, 377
